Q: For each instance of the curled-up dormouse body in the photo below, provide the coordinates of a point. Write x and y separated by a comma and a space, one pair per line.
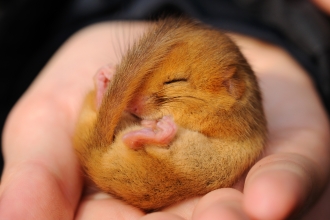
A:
179, 116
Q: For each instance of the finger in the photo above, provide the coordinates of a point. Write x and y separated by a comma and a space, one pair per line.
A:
32, 192
184, 209
279, 185
101, 206
223, 203
162, 216
41, 178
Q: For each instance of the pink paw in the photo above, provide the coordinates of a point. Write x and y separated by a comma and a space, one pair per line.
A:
157, 133
101, 81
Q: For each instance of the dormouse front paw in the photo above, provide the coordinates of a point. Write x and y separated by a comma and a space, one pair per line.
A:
154, 132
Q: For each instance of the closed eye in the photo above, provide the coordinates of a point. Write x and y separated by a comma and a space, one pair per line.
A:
175, 80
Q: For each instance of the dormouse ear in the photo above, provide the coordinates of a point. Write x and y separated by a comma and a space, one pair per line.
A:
234, 82
101, 81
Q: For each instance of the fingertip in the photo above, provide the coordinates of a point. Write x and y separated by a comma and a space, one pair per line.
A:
99, 206
223, 203
222, 211
161, 216
275, 192
33, 192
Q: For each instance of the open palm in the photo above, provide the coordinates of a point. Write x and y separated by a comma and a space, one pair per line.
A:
42, 178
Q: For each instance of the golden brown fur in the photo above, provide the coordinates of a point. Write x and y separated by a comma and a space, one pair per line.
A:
198, 76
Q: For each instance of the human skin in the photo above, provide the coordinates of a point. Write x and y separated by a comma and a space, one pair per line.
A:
324, 5
42, 178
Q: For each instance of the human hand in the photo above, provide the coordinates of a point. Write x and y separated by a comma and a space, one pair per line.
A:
42, 178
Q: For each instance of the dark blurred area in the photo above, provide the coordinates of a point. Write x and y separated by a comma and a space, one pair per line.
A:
25, 27
32, 30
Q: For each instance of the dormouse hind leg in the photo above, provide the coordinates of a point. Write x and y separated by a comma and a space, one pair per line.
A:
101, 81
159, 133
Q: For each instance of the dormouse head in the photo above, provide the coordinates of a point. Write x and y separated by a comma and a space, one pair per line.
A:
202, 74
